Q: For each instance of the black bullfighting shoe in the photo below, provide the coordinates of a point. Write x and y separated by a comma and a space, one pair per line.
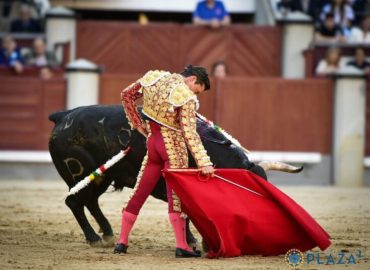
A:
120, 248
183, 253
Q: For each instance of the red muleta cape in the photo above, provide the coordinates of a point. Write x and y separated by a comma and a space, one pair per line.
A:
235, 222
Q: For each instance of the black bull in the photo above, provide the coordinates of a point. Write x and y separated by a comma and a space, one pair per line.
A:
86, 137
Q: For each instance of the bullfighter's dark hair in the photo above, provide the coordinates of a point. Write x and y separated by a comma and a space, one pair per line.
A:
200, 73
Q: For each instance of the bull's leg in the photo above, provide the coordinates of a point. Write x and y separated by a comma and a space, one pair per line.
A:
103, 222
190, 239
78, 211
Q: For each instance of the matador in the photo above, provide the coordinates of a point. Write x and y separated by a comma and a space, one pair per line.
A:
169, 105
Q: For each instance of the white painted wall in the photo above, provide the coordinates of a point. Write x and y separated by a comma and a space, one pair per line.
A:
60, 29
296, 38
82, 84
349, 131
83, 89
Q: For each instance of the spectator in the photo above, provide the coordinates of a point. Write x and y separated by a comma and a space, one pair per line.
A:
331, 63
25, 23
360, 61
211, 13
310, 7
41, 58
361, 8
361, 34
289, 5
343, 13
6, 8
10, 55
219, 69
329, 31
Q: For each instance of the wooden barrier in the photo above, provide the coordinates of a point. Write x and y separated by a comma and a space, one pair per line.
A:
129, 48
25, 103
28, 71
277, 114
111, 86
264, 114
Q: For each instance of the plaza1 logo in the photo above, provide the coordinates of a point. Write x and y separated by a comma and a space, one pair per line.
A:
335, 258
295, 258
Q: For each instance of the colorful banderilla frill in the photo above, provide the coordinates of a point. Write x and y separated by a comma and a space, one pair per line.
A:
223, 132
98, 172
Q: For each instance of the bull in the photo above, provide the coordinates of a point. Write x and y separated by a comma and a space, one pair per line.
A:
86, 137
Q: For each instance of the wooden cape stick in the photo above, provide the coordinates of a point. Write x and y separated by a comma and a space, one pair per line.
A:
218, 177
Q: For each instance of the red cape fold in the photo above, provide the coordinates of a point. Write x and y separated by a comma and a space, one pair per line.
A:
235, 222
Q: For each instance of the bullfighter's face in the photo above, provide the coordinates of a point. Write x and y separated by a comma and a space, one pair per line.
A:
195, 87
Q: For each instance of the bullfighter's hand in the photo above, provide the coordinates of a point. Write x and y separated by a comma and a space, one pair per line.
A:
207, 170
142, 130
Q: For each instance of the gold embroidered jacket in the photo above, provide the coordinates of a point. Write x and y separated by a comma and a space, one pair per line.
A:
168, 101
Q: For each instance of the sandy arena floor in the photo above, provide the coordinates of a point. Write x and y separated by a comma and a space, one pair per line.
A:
37, 231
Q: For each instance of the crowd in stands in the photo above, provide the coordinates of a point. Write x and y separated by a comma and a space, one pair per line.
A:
337, 22
29, 21
333, 62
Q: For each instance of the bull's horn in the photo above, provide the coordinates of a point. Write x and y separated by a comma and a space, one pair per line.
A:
279, 166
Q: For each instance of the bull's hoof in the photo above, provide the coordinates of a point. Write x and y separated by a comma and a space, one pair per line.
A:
205, 247
193, 243
96, 244
191, 240
120, 248
108, 240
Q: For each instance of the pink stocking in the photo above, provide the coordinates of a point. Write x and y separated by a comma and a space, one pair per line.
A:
128, 221
178, 225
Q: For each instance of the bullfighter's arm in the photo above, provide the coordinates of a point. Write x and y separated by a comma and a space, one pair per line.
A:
128, 96
188, 125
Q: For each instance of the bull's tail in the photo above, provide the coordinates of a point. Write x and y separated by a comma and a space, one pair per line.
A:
279, 166
58, 116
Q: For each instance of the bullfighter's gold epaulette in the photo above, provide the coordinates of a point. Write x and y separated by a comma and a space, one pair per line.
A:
180, 95
152, 76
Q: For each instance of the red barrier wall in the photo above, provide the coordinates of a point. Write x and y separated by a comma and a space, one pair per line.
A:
277, 114
25, 103
129, 48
